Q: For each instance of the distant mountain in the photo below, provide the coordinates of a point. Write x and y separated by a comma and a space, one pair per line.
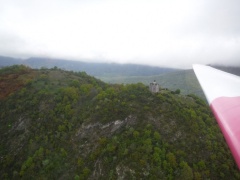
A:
8, 61
173, 79
229, 69
94, 69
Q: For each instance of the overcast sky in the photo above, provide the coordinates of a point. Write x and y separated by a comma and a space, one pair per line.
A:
174, 33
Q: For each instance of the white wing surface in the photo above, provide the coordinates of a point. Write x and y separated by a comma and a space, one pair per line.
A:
222, 91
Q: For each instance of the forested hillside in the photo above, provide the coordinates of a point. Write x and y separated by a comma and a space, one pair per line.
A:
56, 124
185, 80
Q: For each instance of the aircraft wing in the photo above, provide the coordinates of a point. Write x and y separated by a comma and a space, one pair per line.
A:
222, 91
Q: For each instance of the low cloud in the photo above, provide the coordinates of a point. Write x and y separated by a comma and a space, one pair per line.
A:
161, 33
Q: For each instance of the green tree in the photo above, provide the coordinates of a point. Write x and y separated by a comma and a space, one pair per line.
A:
201, 165
156, 136
135, 134
177, 91
171, 159
186, 171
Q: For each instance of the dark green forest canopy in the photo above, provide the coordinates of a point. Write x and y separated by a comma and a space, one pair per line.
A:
61, 124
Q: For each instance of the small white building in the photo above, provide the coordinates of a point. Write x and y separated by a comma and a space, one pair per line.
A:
154, 87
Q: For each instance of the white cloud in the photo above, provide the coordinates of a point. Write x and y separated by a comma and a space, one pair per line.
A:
174, 33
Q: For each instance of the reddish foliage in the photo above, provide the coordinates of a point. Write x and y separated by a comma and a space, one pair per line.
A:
10, 83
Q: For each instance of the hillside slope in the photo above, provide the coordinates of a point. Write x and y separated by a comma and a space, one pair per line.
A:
66, 125
185, 80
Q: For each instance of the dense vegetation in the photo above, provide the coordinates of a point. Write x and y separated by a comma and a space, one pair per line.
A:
68, 125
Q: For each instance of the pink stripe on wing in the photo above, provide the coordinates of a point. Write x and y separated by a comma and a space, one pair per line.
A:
227, 112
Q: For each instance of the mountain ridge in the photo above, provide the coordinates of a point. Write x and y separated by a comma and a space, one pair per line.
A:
95, 69
173, 79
